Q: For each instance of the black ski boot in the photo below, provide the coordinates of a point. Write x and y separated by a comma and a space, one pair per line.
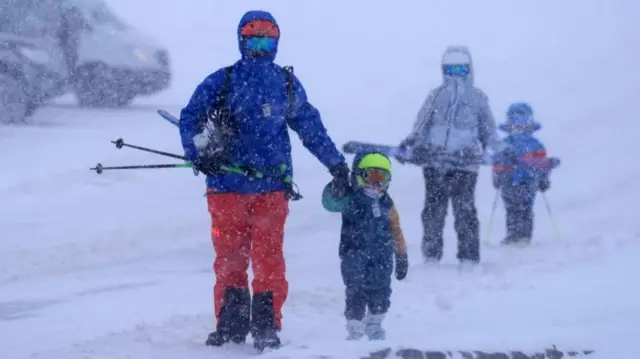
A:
220, 338
233, 323
263, 329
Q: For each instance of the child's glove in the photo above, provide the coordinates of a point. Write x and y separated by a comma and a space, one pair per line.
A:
544, 184
402, 266
497, 181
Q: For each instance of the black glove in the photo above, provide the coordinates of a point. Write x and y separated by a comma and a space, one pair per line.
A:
210, 164
423, 155
402, 266
407, 142
544, 184
340, 187
467, 154
497, 181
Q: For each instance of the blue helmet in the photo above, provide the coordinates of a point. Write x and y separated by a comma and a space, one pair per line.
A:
520, 119
519, 108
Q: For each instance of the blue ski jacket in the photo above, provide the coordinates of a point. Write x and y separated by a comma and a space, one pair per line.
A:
523, 160
259, 102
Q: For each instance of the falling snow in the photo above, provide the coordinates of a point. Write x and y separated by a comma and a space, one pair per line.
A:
119, 265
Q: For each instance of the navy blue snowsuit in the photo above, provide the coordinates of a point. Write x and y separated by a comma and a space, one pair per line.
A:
370, 235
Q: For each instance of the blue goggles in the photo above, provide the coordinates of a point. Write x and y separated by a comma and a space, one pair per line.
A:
456, 69
260, 43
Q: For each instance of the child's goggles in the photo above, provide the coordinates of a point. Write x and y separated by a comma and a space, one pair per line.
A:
519, 120
456, 69
519, 115
375, 177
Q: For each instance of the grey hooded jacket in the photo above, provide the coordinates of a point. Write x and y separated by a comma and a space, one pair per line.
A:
455, 119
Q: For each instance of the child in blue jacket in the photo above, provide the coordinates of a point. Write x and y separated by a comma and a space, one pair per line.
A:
370, 237
520, 170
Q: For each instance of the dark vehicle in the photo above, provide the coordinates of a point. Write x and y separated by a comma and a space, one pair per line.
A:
112, 61
30, 75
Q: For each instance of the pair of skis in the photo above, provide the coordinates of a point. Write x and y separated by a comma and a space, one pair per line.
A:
403, 155
350, 147
169, 117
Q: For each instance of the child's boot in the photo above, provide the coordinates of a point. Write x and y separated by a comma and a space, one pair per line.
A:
373, 327
516, 241
355, 329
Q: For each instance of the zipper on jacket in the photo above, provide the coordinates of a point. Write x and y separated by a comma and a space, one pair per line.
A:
452, 108
450, 123
446, 139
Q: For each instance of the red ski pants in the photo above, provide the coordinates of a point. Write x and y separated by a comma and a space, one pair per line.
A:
249, 227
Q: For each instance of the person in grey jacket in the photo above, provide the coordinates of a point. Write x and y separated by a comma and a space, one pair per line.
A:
451, 136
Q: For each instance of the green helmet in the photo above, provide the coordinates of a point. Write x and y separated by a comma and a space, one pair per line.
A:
372, 169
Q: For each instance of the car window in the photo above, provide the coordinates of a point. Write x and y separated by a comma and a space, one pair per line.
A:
101, 14
29, 18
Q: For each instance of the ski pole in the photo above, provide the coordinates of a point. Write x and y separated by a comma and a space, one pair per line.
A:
551, 217
120, 143
99, 167
492, 216
246, 171
240, 170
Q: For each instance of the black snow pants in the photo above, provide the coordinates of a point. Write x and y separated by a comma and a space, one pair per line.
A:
518, 202
459, 186
367, 280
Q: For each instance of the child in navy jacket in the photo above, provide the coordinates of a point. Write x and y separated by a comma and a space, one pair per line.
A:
370, 239
520, 170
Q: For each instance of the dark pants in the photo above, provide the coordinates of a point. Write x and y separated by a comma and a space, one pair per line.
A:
368, 283
459, 186
518, 202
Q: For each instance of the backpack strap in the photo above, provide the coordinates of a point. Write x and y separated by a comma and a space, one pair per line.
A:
220, 115
291, 96
291, 194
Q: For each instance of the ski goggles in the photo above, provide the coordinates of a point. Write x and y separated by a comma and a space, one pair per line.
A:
519, 119
519, 114
260, 43
260, 28
375, 177
456, 69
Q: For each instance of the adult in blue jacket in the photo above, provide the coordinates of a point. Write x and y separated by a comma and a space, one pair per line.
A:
243, 112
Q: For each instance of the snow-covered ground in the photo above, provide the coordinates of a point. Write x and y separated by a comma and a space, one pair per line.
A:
119, 265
